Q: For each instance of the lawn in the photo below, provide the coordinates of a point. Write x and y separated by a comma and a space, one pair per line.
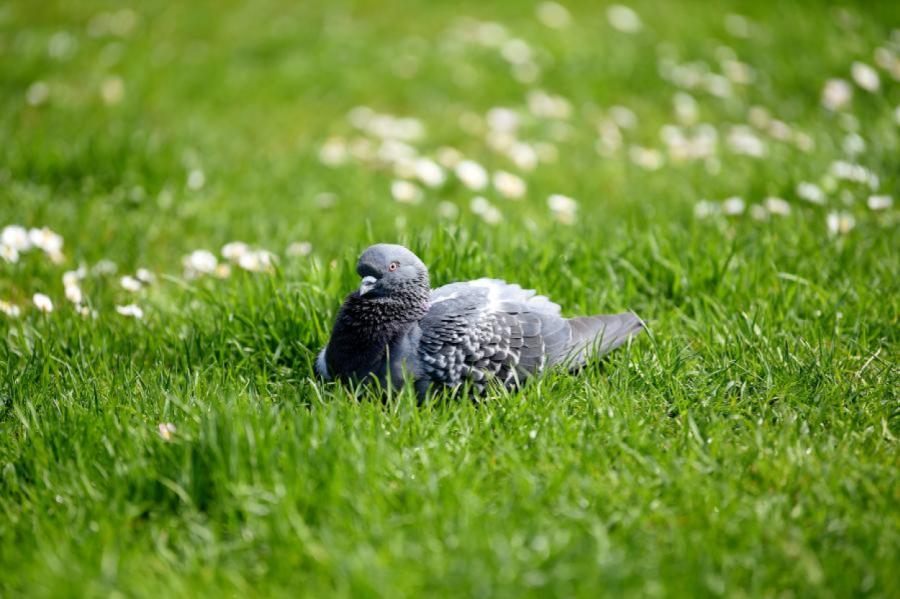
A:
729, 171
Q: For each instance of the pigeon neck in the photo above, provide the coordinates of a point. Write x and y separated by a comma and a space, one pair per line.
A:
364, 329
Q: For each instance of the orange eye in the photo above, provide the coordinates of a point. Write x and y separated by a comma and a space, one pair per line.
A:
393, 266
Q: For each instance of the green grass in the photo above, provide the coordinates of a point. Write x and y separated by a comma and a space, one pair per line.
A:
747, 446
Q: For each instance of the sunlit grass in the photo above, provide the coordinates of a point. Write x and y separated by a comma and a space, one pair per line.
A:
185, 189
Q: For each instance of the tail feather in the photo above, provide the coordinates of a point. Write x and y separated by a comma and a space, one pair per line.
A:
596, 336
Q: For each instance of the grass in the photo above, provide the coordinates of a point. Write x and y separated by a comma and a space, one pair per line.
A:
746, 447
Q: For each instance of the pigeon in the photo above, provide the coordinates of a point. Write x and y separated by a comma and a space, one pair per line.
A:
394, 328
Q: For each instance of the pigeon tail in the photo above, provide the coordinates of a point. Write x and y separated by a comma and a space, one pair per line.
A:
596, 336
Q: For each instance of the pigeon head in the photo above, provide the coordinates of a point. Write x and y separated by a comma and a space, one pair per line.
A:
389, 270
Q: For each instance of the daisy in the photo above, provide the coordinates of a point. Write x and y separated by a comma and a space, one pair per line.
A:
199, 262
811, 193
840, 223
9, 309
130, 310
777, 206
563, 208
879, 202
129, 283
472, 175
623, 18
553, 15
15, 237
837, 94
42, 302
865, 76
406, 192
509, 185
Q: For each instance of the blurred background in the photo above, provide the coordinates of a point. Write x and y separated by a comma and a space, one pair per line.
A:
143, 131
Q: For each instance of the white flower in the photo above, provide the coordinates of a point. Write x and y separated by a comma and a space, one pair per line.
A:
196, 179
448, 157
130, 283
840, 222
132, 310
548, 106
526, 72
804, 142
523, 155
8, 253
502, 119
144, 276
299, 248
256, 261
472, 175
333, 152
623, 18
9, 309
705, 209
406, 192
487, 211
623, 116
37, 93
610, 139
492, 215
166, 430
516, 51
857, 173
853, 144
360, 116
429, 172
882, 202
733, 206
509, 184
491, 34
563, 208
717, 85
71, 277
837, 94
234, 250
73, 293
646, 158
865, 76
45, 239
199, 262
86, 312
448, 210
105, 267
553, 15
777, 206
112, 90
739, 72
479, 205
758, 212
42, 302
780, 130
393, 150
742, 140
811, 193
15, 237
737, 25
685, 108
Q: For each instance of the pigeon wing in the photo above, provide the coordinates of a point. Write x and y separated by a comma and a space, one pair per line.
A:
486, 330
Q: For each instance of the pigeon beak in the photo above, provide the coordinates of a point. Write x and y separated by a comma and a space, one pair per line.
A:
367, 284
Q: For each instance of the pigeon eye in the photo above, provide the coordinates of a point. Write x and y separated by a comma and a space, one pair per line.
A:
393, 266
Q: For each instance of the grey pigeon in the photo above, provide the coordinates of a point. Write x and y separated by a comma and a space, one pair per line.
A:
477, 332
